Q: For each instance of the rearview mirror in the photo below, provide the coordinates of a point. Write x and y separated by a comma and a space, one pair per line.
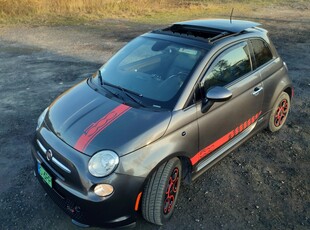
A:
216, 94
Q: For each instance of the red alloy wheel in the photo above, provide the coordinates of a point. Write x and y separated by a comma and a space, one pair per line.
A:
172, 190
281, 113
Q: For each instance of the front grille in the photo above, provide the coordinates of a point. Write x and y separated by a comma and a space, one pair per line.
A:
59, 164
53, 159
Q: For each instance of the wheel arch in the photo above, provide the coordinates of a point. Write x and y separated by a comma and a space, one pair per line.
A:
185, 162
290, 91
287, 89
277, 92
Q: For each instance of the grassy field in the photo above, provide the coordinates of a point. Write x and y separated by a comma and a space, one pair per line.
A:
151, 11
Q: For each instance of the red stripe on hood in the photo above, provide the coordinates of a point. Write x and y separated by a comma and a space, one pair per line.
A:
97, 127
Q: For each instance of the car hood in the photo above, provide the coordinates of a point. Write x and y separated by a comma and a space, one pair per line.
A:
89, 122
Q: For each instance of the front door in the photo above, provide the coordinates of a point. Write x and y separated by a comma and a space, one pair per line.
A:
234, 118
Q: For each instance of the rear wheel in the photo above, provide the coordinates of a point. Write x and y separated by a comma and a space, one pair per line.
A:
161, 192
279, 112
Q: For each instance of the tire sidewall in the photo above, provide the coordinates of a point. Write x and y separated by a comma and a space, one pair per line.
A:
166, 217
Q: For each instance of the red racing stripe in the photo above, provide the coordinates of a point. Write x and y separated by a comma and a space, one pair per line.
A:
97, 127
218, 143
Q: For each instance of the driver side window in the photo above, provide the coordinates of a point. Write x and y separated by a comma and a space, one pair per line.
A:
228, 66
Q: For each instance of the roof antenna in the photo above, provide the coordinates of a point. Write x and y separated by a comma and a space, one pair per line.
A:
232, 11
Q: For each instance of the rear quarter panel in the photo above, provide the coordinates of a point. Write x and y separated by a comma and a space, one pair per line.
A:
274, 76
275, 80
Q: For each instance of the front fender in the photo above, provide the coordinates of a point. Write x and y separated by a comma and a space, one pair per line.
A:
181, 140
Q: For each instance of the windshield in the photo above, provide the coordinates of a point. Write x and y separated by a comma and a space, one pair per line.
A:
155, 70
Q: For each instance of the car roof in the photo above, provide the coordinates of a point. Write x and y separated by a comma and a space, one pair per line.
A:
210, 29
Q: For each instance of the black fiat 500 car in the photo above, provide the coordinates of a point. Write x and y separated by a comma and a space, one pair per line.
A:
161, 111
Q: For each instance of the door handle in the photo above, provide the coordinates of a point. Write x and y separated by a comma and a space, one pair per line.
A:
257, 90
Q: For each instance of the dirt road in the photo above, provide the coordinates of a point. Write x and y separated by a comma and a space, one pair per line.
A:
262, 185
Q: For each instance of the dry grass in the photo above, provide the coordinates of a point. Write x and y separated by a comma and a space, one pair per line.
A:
15, 8
75, 11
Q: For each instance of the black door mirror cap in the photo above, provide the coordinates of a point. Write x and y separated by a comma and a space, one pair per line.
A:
218, 94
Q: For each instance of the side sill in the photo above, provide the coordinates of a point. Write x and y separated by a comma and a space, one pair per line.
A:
221, 152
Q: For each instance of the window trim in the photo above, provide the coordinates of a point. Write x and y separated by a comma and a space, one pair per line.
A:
223, 52
191, 100
254, 67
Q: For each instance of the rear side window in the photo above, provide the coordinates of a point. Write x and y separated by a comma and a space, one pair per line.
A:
261, 51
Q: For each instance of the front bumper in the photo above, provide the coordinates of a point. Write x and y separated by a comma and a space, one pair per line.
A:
73, 192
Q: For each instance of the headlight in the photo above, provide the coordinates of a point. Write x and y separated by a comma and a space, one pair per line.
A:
41, 118
103, 163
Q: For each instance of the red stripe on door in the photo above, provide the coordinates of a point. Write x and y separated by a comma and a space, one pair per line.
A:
218, 143
97, 127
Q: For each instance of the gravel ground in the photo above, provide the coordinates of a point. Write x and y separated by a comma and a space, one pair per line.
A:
264, 184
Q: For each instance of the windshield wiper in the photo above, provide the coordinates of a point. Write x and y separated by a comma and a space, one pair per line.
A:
100, 77
127, 92
102, 85
123, 89
131, 92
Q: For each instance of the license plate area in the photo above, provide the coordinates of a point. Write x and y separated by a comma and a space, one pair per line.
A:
47, 178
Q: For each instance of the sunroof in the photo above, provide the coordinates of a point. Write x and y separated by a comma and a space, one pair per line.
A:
210, 29
233, 26
196, 31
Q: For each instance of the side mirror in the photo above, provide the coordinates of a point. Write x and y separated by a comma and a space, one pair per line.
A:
216, 94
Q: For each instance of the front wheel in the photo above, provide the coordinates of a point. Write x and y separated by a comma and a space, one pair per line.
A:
279, 112
161, 192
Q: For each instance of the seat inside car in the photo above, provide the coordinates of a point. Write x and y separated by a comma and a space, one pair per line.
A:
182, 64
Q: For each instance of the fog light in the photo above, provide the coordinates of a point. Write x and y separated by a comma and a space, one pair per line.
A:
103, 189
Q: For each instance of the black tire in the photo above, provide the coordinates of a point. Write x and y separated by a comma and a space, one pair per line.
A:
279, 112
161, 192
